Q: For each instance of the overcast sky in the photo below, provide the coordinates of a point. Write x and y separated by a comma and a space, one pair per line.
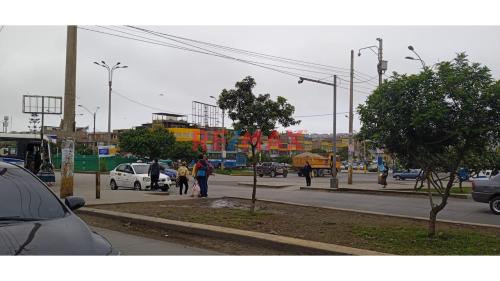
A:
32, 61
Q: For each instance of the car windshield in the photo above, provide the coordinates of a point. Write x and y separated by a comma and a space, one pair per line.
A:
141, 169
23, 197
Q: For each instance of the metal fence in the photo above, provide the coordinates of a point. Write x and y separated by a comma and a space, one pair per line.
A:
91, 163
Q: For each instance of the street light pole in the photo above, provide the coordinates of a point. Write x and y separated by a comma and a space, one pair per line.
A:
412, 58
110, 84
94, 116
334, 182
382, 64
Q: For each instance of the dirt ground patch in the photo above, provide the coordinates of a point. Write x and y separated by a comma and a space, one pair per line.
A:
372, 232
210, 243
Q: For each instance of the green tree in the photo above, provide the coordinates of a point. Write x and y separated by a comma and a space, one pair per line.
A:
147, 143
255, 115
185, 151
438, 120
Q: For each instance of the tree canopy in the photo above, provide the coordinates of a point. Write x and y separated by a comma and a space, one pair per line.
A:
147, 143
439, 120
256, 115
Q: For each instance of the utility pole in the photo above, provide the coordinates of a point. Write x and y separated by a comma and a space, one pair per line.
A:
351, 145
70, 83
68, 161
334, 181
380, 66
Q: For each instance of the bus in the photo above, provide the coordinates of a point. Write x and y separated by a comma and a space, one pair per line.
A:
232, 160
24, 149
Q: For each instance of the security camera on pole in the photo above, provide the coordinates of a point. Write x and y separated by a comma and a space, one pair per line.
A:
381, 65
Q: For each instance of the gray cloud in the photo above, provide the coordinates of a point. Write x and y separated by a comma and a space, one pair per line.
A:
32, 60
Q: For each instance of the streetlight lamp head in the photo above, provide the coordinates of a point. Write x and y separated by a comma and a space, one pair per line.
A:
118, 63
103, 62
359, 54
80, 105
212, 97
410, 48
300, 81
409, 58
125, 66
96, 63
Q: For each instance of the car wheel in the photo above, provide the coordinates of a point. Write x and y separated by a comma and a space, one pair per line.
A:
398, 178
113, 185
261, 175
165, 188
273, 174
495, 205
137, 186
285, 174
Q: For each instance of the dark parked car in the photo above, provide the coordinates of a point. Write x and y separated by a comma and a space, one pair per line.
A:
166, 170
408, 174
272, 169
33, 221
488, 191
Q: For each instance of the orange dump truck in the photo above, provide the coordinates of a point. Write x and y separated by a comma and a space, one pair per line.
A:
321, 165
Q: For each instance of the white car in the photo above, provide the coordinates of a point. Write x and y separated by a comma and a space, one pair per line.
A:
135, 176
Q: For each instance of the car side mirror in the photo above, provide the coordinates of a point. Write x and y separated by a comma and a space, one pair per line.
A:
74, 202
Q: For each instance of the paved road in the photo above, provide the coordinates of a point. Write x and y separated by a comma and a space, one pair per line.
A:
457, 209
138, 246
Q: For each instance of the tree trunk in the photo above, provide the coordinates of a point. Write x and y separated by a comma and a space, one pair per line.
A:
436, 208
432, 222
460, 186
254, 191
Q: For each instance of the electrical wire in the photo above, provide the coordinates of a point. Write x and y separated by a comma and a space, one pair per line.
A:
156, 42
297, 75
144, 105
319, 115
250, 53
216, 53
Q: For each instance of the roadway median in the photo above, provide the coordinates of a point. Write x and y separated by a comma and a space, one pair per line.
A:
292, 245
394, 192
295, 228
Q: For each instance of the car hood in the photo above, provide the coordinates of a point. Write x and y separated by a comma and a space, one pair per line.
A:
63, 236
162, 176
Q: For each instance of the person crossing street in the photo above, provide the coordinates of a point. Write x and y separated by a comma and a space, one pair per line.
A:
183, 173
154, 174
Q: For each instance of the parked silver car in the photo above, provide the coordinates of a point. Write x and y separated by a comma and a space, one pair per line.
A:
488, 191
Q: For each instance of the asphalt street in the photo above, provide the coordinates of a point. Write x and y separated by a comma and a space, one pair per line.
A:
465, 210
139, 246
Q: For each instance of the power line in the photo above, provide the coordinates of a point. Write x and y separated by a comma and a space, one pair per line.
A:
206, 50
319, 115
250, 53
367, 80
144, 105
297, 75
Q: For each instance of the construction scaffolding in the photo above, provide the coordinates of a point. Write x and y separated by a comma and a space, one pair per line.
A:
205, 115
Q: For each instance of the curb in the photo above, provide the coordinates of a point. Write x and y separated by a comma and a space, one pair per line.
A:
384, 192
295, 245
266, 185
370, 212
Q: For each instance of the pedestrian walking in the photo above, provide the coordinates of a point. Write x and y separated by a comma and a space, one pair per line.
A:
154, 174
200, 171
383, 176
182, 174
307, 171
